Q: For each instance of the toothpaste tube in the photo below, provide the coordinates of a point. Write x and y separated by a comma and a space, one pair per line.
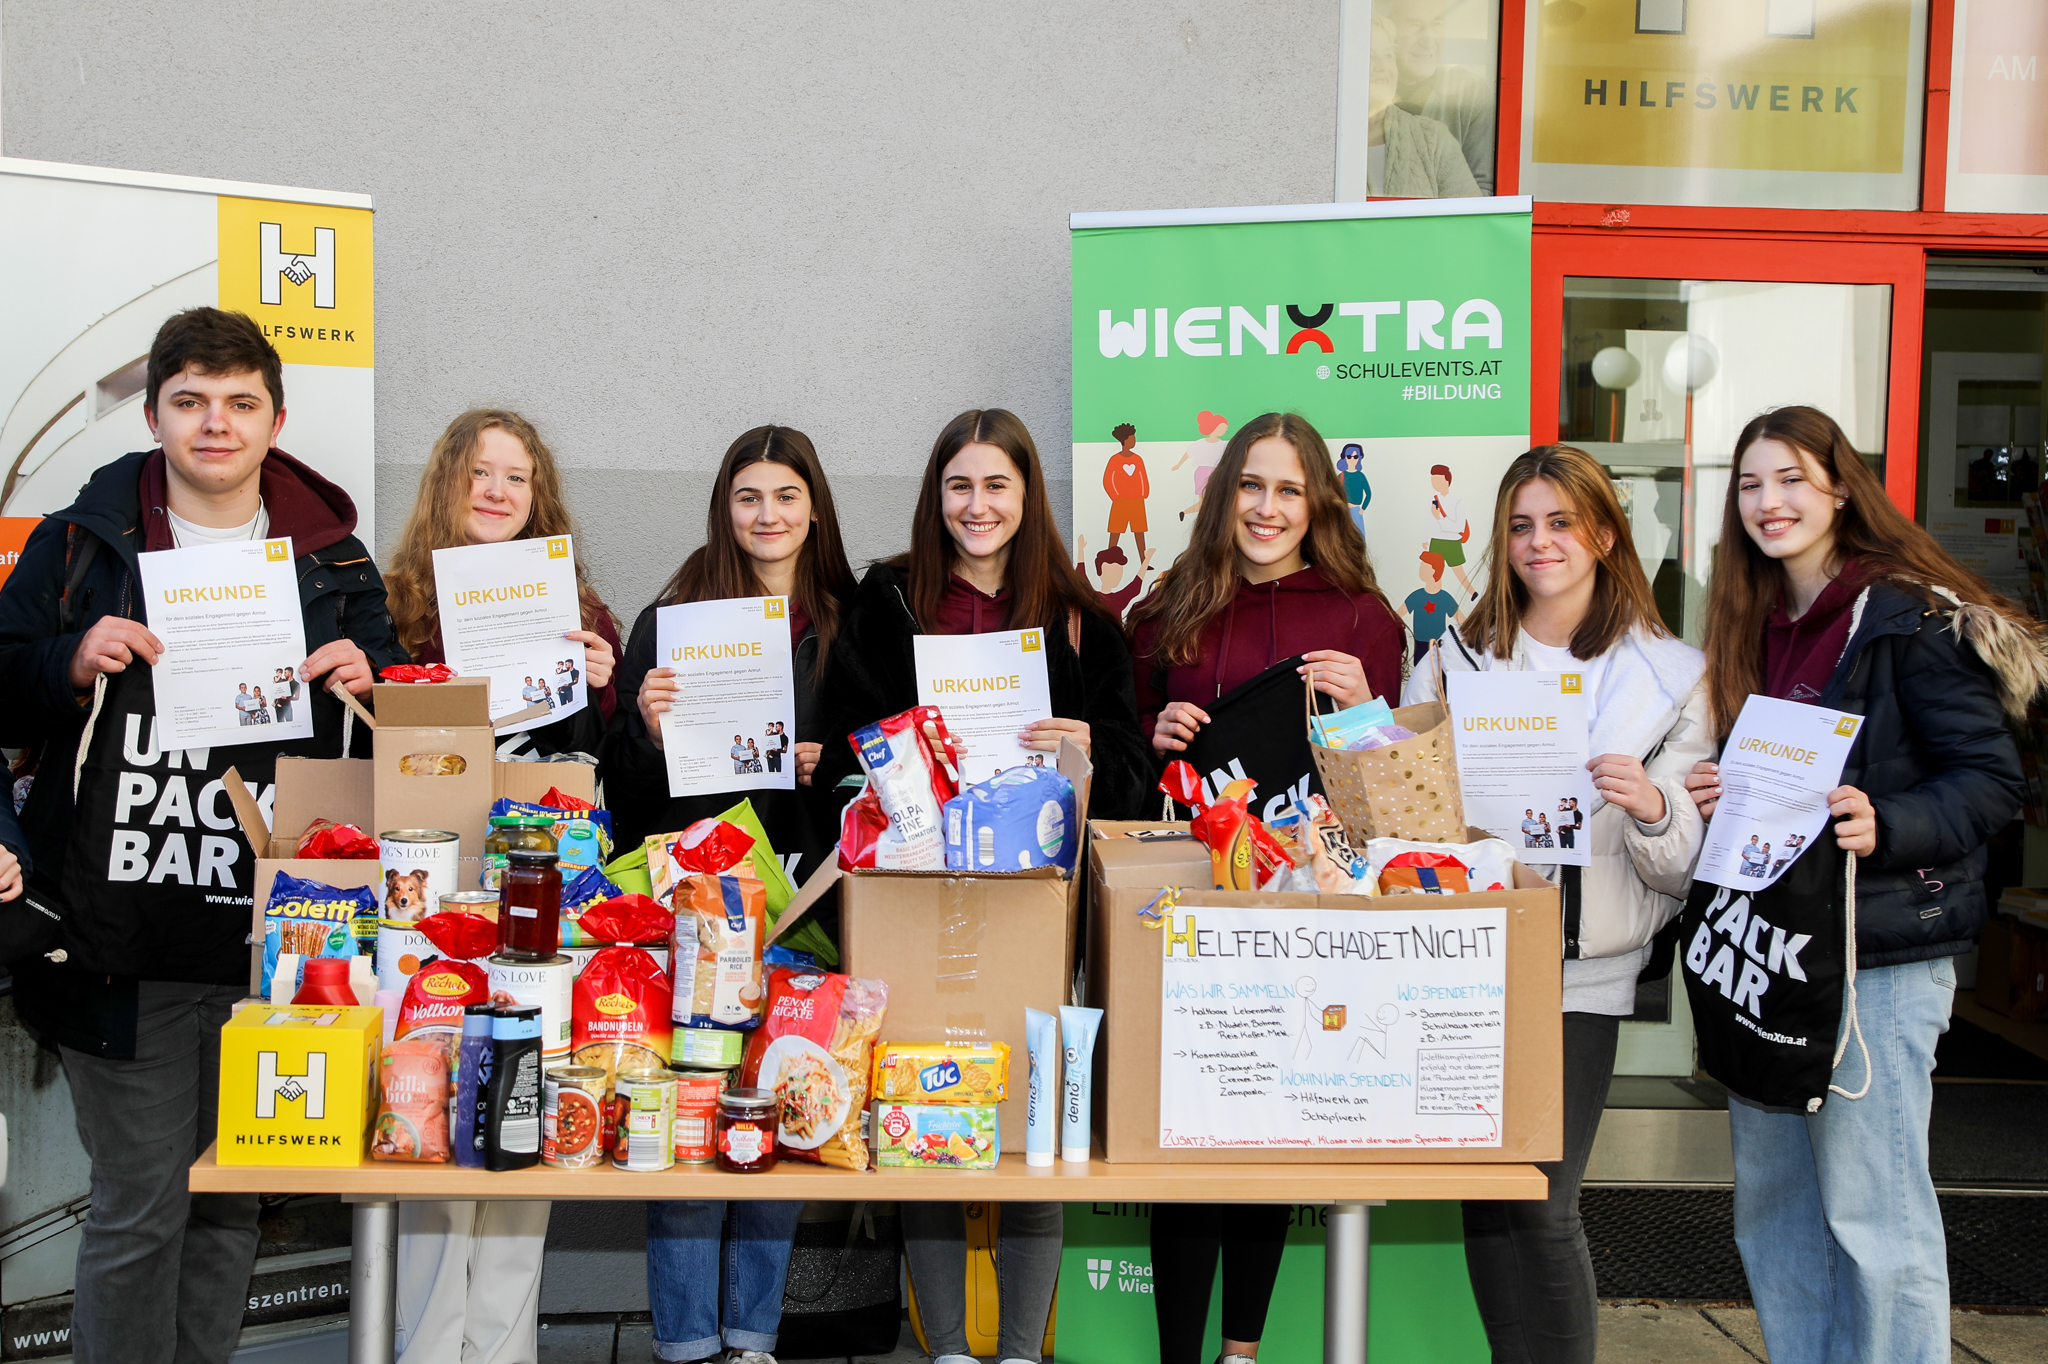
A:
1042, 1041
1077, 1031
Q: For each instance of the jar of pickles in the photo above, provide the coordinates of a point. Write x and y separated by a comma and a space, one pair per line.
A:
746, 1131
530, 906
528, 832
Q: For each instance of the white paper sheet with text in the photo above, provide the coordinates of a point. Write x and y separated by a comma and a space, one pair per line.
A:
1522, 746
1332, 1027
233, 635
989, 687
1780, 761
504, 611
732, 725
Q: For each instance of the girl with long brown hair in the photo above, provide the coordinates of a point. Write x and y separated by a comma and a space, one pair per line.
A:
490, 479
985, 556
771, 530
1275, 581
1824, 592
1565, 593
469, 1273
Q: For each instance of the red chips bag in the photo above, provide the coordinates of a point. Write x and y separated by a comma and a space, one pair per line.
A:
711, 846
626, 919
437, 994
414, 1081
815, 1049
619, 1018
326, 839
464, 937
1183, 784
1221, 829
555, 800
417, 672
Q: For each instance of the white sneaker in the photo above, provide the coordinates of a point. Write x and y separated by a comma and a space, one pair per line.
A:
748, 1357
953, 1359
1236, 1359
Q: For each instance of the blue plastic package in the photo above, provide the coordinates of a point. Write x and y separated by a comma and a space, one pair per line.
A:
1016, 820
579, 892
312, 919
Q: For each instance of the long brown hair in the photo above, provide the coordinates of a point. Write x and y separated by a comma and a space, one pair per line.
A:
722, 568
442, 506
1884, 542
1042, 582
1622, 598
1204, 577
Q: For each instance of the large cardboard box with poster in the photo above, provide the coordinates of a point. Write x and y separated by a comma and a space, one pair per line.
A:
964, 956
1125, 971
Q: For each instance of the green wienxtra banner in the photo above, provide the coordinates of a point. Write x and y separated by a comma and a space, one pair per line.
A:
1400, 330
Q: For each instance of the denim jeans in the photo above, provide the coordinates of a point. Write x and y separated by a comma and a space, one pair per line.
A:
697, 1309
1027, 1271
1835, 1212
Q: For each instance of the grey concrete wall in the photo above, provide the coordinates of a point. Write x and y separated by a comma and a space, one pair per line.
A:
652, 225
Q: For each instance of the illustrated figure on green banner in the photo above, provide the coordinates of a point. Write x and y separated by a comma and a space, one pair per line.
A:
1430, 608
1110, 566
1127, 484
1448, 528
1357, 489
1204, 452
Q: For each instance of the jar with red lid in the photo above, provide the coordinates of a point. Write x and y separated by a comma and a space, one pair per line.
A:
746, 1131
530, 906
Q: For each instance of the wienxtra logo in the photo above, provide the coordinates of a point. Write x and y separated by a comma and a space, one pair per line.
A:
1208, 331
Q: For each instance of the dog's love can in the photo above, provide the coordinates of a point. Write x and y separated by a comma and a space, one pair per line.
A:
419, 868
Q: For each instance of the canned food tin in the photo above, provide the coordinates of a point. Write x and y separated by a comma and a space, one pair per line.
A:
697, 1094
711, 1048
482, 903
400, 950
544, 983
572, 1118
419, 868
647, 1103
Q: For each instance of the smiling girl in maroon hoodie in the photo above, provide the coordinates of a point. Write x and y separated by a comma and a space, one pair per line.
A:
1275, 568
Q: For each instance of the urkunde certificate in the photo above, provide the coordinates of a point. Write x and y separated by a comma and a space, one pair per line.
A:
504, 611
233, 638
989, 687
1780, 761
731, 725
1521, 741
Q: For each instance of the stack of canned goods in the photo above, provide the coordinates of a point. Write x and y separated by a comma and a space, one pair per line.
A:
704, 1061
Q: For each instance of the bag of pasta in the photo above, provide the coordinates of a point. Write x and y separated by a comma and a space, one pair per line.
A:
815, 1049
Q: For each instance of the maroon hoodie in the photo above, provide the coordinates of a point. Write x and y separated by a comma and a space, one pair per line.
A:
967, 610
1264, 623
1800, 655
303, 505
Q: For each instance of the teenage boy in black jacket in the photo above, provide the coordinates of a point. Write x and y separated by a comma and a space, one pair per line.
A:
141, 846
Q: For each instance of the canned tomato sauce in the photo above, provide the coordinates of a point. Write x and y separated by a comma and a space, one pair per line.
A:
572, 1118
647, 1100
697, 1094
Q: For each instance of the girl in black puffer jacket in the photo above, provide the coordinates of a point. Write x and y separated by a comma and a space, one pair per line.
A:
1826, 593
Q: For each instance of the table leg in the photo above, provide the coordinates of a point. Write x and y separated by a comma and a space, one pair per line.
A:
373, 1292
1347, 1247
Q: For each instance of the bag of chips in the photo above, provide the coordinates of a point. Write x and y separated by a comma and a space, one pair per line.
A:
913, 764
1405, 867
414, 1083
313, 919
815, 1049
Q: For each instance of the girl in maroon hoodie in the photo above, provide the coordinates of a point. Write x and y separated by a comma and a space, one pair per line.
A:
1274, 568
985, 556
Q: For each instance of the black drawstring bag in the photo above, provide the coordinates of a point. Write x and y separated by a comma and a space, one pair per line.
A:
1257, 730
841, 1295
1766, 973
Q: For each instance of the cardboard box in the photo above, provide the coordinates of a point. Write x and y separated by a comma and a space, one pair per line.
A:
964, 955
296, 1084
1124, 971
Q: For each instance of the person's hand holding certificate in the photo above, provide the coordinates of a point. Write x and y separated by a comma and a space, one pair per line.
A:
990, 688
233, 637
730, 724
1778, 768
505, 610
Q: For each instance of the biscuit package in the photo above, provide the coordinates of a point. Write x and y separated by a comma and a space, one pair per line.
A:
935, 1073
312, 919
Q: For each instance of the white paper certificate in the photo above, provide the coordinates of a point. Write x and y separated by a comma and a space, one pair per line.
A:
1780, 761
1333, 1027
732, 723
1522, 745
504, 610
989, 687
233, 638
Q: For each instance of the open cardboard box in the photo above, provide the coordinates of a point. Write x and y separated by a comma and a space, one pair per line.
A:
1124, 981
964, 954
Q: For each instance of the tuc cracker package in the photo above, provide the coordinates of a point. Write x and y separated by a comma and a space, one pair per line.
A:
296, 1084
935, 1136
935, 1073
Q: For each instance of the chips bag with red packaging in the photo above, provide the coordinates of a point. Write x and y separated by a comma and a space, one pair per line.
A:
619, 1019
345, 842
913, 766
460, 936
559, 801
815, 1049
1243, 853
417, 672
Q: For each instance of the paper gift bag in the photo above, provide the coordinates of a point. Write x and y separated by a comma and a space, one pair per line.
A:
1405, 790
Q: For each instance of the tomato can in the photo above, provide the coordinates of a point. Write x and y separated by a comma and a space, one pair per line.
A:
647, 1103
572, 1118
697, 1094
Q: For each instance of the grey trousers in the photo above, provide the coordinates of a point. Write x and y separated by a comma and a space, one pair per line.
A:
1027, 1272
163, 1274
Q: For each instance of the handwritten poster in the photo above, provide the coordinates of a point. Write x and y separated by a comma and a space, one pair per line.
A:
1780, 761
1333, 1027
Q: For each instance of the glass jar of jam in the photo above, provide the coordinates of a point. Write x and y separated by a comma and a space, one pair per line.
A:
746, 1131
530, 906
530, 832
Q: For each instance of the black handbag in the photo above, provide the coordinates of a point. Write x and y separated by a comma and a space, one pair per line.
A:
842, 1296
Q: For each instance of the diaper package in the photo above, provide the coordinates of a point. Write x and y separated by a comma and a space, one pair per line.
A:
1023, 817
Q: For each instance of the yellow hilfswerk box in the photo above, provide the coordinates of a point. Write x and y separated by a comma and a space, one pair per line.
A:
296, 1084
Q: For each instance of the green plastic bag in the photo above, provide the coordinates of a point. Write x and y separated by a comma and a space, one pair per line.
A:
629, 873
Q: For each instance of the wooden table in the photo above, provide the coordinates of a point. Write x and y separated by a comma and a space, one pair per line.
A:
375, 1188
